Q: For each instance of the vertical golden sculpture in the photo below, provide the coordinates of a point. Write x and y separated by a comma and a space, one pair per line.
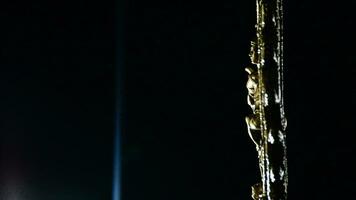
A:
267, 122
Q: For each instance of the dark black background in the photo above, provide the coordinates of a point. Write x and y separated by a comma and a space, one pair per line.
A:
57, 100
184, 134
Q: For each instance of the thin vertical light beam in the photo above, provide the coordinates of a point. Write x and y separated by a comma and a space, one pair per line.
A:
119, 62
117, 164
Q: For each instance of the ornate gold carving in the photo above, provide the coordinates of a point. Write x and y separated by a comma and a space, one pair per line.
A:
266, 124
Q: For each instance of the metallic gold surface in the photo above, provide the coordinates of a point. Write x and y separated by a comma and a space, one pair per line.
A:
267, 122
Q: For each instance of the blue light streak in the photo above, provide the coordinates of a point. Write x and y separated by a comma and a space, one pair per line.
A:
119, 63
116, 190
